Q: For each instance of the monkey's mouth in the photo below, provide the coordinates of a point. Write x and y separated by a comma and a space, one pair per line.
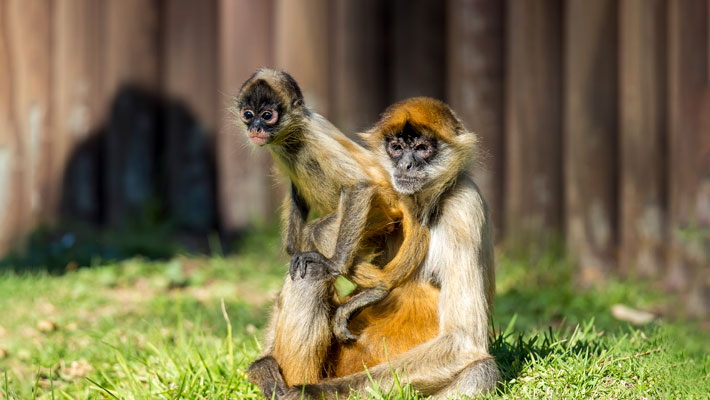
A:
259, 138
407, 184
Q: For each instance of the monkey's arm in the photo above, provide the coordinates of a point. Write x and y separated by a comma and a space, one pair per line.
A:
351, 215
294, 218
379, 281
410, 255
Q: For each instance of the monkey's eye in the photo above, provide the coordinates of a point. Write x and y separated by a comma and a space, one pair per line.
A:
422, 147
247, 116
269, 116
394, 149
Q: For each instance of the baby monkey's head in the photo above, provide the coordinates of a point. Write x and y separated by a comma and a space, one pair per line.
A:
269, 103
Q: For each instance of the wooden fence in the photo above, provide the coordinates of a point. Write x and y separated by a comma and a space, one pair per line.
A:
594, 115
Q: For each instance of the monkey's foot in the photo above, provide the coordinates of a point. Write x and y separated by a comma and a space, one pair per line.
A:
266, 374
311, 264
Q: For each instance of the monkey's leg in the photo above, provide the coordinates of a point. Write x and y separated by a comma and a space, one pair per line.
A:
479, 377
302, 334
351, 307
429, 368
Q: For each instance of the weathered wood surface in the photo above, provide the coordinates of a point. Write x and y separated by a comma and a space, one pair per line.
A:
131, 80
243, 174
533, 162
27, 157
417, 56
303, 47
475, 47
12, 193
591, 135
689, 153
78, 104
190, 85
643, 131
360, 84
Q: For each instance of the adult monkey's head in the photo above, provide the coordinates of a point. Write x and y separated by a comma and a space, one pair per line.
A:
422, 145
270, 104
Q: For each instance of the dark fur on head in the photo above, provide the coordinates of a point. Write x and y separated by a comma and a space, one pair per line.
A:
273, 92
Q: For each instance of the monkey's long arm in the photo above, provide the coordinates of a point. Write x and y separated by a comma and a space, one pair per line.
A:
351, 219
380, 281
411, 253
460, 242
294, 218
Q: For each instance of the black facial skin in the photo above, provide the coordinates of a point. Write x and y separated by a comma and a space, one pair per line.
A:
410, 152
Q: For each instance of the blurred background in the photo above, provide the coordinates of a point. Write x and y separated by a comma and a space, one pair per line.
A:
594, 118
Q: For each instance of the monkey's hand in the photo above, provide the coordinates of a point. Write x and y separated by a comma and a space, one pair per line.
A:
266, 374
312, 264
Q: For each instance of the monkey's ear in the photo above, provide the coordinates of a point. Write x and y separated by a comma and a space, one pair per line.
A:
297, 103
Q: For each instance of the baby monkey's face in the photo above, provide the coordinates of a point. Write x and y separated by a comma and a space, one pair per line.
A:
259, 110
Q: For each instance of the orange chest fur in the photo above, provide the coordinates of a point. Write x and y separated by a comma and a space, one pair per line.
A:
406, 318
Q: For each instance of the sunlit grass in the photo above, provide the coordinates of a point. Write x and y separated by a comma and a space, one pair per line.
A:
138, 329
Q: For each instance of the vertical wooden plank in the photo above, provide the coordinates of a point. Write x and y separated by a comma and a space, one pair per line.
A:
190, 83
302, 48
534, 198
591, 134
418, 56
360, 86
245, 44
12, 193
27, 26
76, 93
642, 113
689, 158
132, 36
475, 46
131, 55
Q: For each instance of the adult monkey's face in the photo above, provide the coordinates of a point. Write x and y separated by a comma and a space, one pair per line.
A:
410, 152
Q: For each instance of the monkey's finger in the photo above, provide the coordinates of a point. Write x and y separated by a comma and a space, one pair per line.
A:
293, 267
304, 269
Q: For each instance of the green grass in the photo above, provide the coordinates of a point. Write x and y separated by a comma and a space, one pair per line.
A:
136, 329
